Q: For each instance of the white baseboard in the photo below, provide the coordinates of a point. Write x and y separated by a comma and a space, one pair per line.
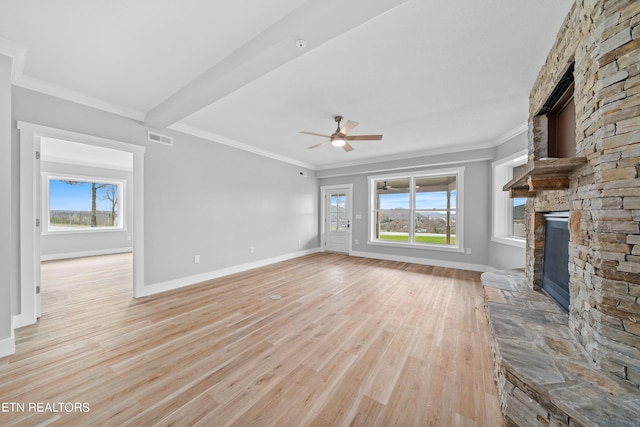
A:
8, 345
83, 254
21, 320
425, 261
198, 278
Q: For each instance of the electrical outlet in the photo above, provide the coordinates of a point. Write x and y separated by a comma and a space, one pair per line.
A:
196, 259
468, 251
250, 249
357, 241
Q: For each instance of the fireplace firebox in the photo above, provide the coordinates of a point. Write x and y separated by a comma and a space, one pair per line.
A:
555, 264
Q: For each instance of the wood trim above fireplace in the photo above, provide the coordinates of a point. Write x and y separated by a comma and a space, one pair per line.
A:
543, 175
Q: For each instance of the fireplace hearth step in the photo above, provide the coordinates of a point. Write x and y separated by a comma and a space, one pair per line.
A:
511, 280
543, 376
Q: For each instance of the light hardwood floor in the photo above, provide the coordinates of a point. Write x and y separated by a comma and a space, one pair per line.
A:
352, 341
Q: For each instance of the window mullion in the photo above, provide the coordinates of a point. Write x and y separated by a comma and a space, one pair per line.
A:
376, 210
448, 226
412, 208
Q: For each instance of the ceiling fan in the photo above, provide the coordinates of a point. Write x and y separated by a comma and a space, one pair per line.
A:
386, 187
340, 138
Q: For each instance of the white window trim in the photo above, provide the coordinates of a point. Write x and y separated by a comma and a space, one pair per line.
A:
502, 171
458, 247
121, 183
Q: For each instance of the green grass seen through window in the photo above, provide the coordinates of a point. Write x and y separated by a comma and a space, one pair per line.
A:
440, 240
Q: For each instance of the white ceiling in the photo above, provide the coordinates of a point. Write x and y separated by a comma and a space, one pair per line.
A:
432, 76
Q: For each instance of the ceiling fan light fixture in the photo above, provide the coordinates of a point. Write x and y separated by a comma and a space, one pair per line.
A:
338, 142
340, 139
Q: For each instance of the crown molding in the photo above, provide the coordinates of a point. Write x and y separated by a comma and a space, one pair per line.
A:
77, 97
512, 134
431, 152
18, 55
179, 127
411, 155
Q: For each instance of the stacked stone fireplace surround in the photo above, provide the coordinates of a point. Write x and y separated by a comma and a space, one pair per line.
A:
602, 39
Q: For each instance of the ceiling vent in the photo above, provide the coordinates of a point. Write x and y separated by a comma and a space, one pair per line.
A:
162, 139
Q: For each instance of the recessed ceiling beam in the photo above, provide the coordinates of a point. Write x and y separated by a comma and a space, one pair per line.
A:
315, 22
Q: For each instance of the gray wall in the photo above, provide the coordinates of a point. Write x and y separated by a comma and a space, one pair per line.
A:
477, 179
512, 146
64, 245
506, 256
216, 201
7, 274
502, 256
201, 198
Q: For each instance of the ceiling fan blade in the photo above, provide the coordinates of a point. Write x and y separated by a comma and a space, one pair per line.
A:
346, 147
315, 134
319, 144
364, 138
348, 127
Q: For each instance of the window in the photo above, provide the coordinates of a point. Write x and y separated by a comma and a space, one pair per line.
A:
338, 213
75, 204
508, 213
517, 217
418, 209
517, 204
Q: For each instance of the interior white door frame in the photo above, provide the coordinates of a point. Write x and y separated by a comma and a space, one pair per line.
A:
324, 190
30, 212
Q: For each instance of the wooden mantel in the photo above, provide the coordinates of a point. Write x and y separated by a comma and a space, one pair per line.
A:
543, 175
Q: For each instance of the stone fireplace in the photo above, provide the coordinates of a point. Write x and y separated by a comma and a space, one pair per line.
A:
602, 38
597, 57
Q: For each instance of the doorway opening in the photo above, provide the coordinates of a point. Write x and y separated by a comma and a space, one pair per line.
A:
86, 209
66, 155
